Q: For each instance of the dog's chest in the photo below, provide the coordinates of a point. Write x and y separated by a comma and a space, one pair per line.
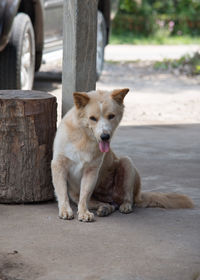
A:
79, 161
79, 157
75, 173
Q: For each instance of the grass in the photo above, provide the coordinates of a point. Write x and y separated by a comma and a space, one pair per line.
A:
129, 38
190, 64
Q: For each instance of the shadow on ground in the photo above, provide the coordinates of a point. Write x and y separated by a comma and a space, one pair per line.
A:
47, 81
143, 77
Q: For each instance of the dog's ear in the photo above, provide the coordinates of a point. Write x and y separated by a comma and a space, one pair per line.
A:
119, 94
81, 99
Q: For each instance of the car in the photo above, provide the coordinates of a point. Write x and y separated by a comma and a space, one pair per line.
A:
28, 28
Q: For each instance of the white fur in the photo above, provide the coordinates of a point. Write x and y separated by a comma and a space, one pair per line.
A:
76, 164
77, 161
103, 126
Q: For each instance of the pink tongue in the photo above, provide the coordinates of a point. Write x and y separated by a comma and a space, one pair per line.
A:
104, 146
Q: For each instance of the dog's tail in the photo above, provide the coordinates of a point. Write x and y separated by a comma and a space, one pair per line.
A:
157, 199
163, 200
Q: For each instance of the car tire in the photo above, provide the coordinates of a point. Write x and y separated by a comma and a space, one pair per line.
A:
17, 60
101, 43
38, 60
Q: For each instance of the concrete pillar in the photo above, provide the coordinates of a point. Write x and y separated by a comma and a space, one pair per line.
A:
79, 49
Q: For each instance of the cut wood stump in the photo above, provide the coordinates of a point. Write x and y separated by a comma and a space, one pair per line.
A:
27, 130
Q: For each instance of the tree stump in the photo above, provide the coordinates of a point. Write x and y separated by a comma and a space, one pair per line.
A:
27, 130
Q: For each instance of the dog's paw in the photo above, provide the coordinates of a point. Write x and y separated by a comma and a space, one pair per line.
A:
105, 210
66, 214
126, 208
86, 216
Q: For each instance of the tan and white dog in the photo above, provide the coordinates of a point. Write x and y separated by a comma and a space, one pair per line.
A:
84, 168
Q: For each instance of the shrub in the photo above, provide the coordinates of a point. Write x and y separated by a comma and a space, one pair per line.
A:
146, 15
187, 64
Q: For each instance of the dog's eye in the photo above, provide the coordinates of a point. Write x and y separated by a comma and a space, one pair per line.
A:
93, 118
111, 116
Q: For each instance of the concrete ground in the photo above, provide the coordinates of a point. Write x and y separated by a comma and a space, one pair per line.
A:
148, 244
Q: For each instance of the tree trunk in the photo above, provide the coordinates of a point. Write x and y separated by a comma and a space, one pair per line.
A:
27, 130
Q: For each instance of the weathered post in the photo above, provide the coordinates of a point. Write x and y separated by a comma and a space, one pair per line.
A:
27, 130
79, 49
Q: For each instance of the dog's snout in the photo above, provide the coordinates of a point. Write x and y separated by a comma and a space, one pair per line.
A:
105, 136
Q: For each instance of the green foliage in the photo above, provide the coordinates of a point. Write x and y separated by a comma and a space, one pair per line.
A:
128, 6
127, 37
190, 64
148, 16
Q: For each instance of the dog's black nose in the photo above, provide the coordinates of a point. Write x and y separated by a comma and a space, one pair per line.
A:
105, 136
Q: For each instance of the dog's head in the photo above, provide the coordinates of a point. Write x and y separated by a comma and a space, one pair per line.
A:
101, 112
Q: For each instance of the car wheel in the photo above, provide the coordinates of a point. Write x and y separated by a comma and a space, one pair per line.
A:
101, 42
38, 60
17, 60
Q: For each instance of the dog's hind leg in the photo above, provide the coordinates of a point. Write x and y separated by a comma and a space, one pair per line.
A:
59, 176
125, 177
103, 209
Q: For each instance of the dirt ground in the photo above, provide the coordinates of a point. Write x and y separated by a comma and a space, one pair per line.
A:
156, 97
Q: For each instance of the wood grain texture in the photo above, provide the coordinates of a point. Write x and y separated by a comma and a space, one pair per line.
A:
27, 129
79, 48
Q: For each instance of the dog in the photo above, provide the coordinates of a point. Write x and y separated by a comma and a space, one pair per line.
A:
85, 169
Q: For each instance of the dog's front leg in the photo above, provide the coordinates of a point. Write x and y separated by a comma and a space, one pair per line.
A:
59, 176
88, 183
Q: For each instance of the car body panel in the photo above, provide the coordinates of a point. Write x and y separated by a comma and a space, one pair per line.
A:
53, 27
53, 16
8, 10
38, 26
46, 17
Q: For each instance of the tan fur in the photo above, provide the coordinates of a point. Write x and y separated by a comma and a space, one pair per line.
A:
164, 200
119, 97
94, 179
81, 100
